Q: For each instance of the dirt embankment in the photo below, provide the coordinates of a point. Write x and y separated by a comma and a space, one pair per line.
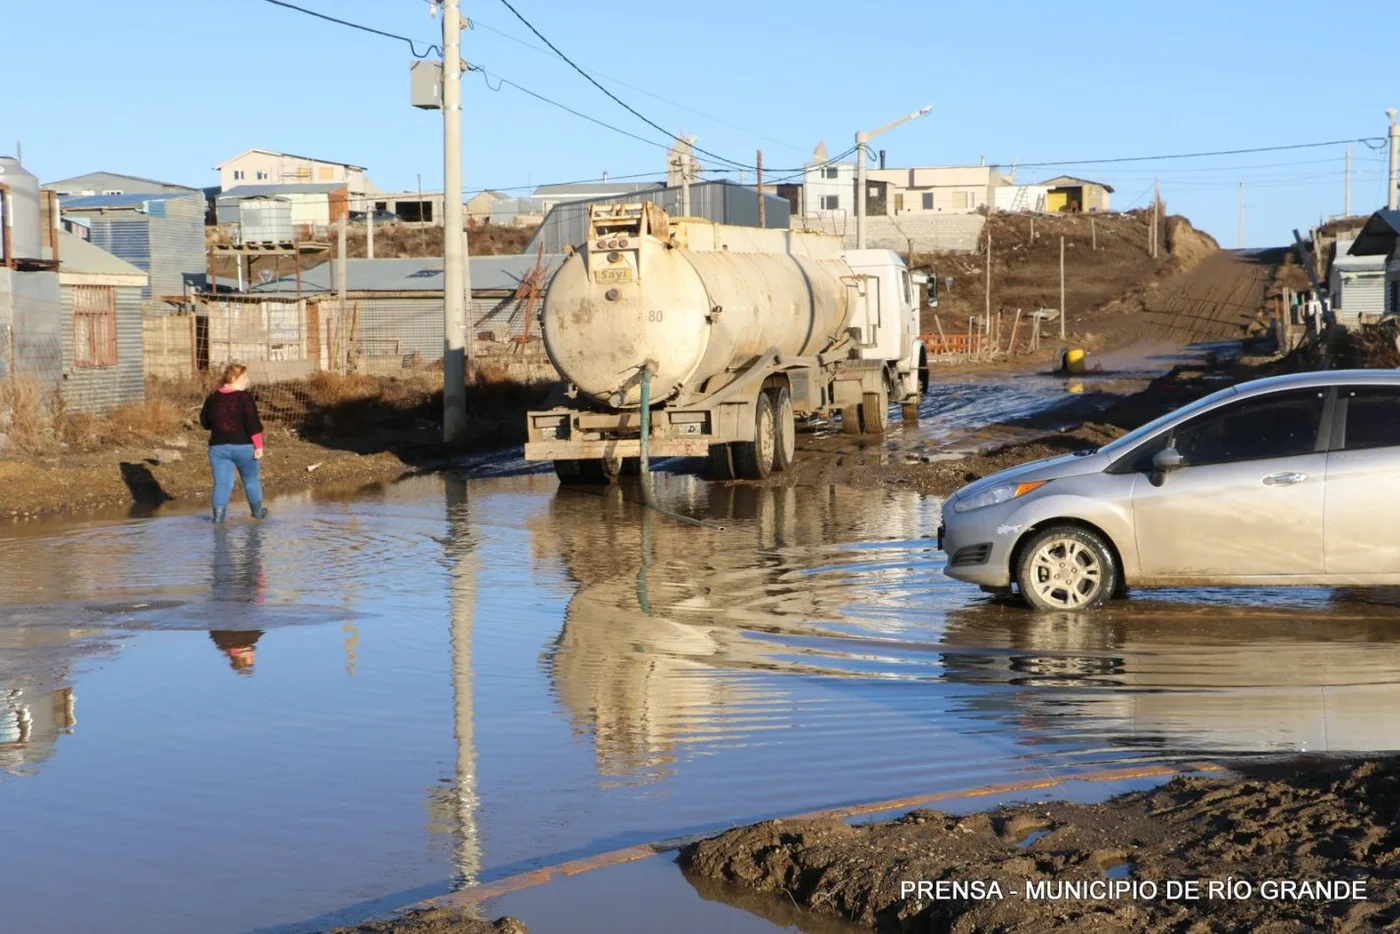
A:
330, 431
436, 921
1332, 824
1107, 261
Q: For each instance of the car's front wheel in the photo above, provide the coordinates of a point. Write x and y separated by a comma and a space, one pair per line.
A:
1066, 567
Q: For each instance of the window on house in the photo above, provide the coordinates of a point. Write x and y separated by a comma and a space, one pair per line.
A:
928, 201
962, 200
262, 175
238, 175
94, 325
112, 191
327, 173
831, 171
831, 202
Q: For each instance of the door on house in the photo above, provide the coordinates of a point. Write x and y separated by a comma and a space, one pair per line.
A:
899, 204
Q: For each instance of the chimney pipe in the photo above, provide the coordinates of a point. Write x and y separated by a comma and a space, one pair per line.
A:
882, 158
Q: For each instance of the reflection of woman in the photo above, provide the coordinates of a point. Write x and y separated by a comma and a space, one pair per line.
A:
238, 578
240, 646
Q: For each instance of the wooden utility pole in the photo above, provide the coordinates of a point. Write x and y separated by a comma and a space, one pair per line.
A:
762, 215
1063, 314
987, 310
1156, 211
341, 278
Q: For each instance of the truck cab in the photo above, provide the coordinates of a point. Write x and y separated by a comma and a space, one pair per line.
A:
885, 321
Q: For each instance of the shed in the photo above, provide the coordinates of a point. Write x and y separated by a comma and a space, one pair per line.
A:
397, 304
312, 205
103, 346
160, 234
1072, 195
722, 202
1356, 285
1378, 239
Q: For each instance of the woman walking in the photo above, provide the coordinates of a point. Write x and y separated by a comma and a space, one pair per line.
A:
235, 441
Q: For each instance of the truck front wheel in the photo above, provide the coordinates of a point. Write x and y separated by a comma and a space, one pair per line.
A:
753, 460
875, 411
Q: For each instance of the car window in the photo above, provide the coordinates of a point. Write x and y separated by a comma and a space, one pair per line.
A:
1127, 442
1373, 417
1281, 424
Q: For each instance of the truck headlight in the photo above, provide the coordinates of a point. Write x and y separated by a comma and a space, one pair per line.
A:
997, 494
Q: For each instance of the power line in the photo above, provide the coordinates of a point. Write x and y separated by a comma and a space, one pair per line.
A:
412, 46
619, 101
475, 23
1194, 155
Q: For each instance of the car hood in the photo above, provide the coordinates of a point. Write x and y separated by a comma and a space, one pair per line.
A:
1050, 468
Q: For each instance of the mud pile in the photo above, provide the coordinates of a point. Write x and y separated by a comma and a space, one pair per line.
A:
436, 921
1333, 824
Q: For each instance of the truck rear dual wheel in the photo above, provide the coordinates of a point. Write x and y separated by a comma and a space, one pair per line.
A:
596, 471
774, 446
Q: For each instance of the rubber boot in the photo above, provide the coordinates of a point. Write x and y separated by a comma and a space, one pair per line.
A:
257, 510
219, 513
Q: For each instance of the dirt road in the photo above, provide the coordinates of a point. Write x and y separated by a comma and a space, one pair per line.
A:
1216, 301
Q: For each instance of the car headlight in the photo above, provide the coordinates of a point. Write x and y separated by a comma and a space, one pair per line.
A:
997, 494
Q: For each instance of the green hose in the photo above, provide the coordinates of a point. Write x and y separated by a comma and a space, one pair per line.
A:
648, 498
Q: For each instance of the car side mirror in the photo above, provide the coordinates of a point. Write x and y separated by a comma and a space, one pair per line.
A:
1164, 462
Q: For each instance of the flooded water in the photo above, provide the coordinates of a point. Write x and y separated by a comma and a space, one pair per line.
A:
364, 702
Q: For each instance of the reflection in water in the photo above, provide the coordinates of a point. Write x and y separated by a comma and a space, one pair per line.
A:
662, 609
1188, 678
462, 555
240, 645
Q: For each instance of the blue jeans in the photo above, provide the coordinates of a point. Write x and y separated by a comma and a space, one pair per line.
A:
223, 460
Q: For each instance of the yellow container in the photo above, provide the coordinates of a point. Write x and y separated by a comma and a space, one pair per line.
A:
1074, 361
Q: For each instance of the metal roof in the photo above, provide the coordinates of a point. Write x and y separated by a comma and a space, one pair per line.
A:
77, 255
134, 178
263, 191
1377, 238
489, 274
1067, 181
93, 202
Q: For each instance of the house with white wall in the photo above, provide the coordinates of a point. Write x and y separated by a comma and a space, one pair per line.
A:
269, 167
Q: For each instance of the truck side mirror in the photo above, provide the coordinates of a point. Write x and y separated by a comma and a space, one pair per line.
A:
1164, 462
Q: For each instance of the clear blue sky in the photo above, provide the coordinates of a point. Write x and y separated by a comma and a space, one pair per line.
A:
167, 89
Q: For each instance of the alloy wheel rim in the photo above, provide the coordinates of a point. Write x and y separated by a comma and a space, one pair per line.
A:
1066, 573
765, 440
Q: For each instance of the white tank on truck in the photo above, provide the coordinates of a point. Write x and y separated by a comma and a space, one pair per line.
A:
738, 332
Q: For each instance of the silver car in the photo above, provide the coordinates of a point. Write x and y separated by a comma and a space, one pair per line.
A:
1283, 481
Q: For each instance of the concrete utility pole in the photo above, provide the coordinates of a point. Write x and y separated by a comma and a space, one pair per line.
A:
1240, 244
455, 279
762, 217
369, 230
1390, 200
342, 343
1346, 189
862, 152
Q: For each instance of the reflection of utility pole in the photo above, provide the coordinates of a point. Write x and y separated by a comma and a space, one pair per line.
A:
462, 557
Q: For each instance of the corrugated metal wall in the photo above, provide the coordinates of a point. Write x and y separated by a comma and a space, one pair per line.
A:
567, 224
96, 389
1362, 293
177, 248
167, 244
30, 336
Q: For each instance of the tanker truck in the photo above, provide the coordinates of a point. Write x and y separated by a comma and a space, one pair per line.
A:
740, 334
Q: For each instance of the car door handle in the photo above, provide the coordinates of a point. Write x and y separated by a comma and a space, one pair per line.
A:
1285, 479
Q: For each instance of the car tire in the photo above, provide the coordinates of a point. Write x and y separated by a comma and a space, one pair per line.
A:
1067, 568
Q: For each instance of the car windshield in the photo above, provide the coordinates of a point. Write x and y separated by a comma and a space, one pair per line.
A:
1146, 431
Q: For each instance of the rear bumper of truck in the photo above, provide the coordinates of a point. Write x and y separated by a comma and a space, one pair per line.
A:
587, 450
572, 434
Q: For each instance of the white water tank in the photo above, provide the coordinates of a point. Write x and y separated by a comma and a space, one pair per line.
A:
265, 220
22, 210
